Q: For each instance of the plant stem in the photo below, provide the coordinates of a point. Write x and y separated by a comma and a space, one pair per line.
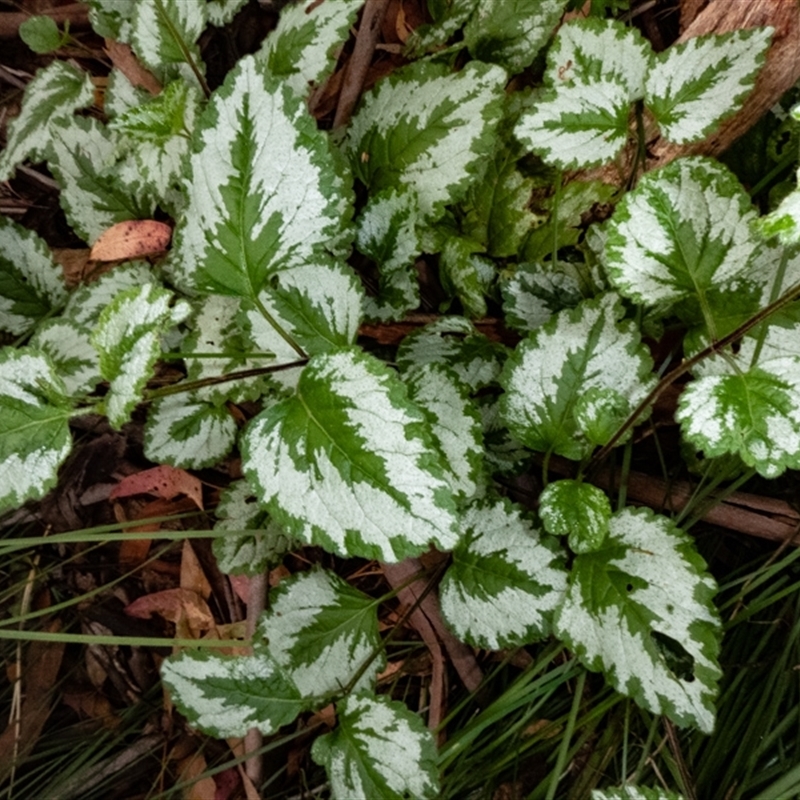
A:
279, 329
256, 602
563, 750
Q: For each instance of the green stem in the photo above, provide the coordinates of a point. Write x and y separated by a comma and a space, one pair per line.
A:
714, 348
279, 329
563, 750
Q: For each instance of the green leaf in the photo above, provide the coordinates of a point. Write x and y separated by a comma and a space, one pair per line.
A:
629, 792
380, 750
221, 12
41, 34
82, 156
303, 47
682, 238
164, 34
31, 283
386, 232
505, 582
750, 410
346, 463
456, 343
595, 70
641, 611
448, 16
34, 426
466, 274
127, 339
264, 193
69, 346
159, 118
322, 631
55, 93
252, 542
511, 32
695, 85
227, 695
188, 432
575, 351
503, 453
578, 510
784, 221
455, 424
427, 129
535, 292
111, 19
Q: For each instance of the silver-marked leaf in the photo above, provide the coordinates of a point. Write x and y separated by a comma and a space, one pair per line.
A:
252, 542
466, 274
503, 453
511, 32
55, 93
322, 631
535, 292
575, 351
188, 432
427, 129
31, 283
226, 695
641, 611
683, 237
629, 792
448, 17
578, 510
112, 18
264, 192
127, 339
82, 156
784, 221
386, 232
379, 750
455, 423
87, 302
70, 348
505, 582
164, 34
456, 343
599, 412
348, 463
695, 85
302, 48
122, 96
752, 411
34, 426
221, 12
580, 125
591, 51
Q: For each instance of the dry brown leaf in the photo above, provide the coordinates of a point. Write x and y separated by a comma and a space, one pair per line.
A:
75, 264
185, 608
192, 575
125, 61
133, 238
162, 481
93, 705
189, 769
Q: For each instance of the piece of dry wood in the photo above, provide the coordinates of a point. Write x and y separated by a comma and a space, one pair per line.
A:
77, 14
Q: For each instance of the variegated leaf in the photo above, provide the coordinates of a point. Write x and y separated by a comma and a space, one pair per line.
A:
535, 292
503, 453
682, 238
505, 582
55, 93
69, 346
455, 424
454, 342
641, 611
628, 792
347, 463
511, 32
386, 232
221, 12
577, 350
380, 749
87, 302
750, 410
302, 48
784, 221
322, 631
31, 283
188, 432
448, 17
427, 129
227, 695
264, 193
122, 96
127, 339
578, 510
466, 274
696, 85
112, 18
164, 34
251, 542
34, 426
82, 156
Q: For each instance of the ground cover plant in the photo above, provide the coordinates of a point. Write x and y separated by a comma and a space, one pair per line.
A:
499, 175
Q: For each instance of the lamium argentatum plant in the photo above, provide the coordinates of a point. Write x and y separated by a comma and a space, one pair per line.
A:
290, 239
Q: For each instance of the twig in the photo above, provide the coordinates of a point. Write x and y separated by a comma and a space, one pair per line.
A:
357, 66
256, 602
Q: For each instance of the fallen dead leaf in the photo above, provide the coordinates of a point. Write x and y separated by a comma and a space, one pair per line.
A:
163, 481
133, 238
123, 58
185, 608
192, 575
190, 769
